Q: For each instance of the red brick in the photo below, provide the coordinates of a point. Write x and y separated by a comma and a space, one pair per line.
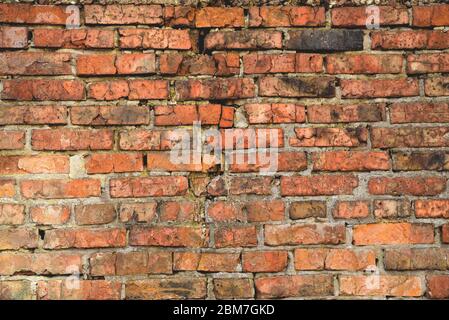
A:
94, 214
140, 140
179, 211
213, 89
393, 233
155, 39
22, 115
428, 63
414, 161
391, 209
409, 137
7, 188
438, 286
297, 87
50, 214
250, 185
114, 162
238, 139
260, 211
318, 185
110, 115
286, 161
294, 286
307, 209
48, 263
295, 234
107, 64
206, 262
148, 187
138, 212
329, 137
275, 113
223, 211
12, 140
132, 89
416, 185
351, 161
334, 259
13, 37
381, 285
60, 189
282, 63
238, 288
123, 14
264, 261
12, 214
73, 38
209, 114
86, 290
235, 236
42, 89
351, 210
346, 113
16, 290
34, 164
35, 63
360, 16
243, 40
33, 14
432, 208
409, 39
72, 139
170, 236
286, 16
84, 238
434, 15
436, 87
416, 259
378, 88
163, 289
18, 238
445, 233
424, 111
363, 63
219, 17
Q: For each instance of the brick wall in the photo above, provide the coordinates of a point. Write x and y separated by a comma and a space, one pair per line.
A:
93, 207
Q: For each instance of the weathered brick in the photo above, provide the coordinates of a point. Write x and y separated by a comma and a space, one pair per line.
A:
86, 290
138, 212
393, 233
428, 63
12, 214
243, 40
22, 115
294, 286
161, 289
250, 185
307, 209
12, 139
351, 210
238, 288
318, 185
73, 38
378, 88
207, 114
351, 161
381, 285
282, 63
35, 63
415, 112
362, 16
33, 14
18, 238
329, 137
264, 261
94, 214
436, 86
155, 39
294, 234
50, 214
84, 238
215, 89
325, 40
60, 188
416, 259
434, 15
391, 209
178, 211
409, 137
286, 16
206, 262
148, 187
235, 236
438, 286
297, 87
7, 188
42, 89
414, 161
219, 17
16, 290
363, 63
123, 14
132, 89
175, 236
409, 39
13, 37
346, 113
116, 162
415, 185
72, 139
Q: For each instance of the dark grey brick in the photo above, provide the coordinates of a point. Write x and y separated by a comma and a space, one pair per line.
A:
325, 40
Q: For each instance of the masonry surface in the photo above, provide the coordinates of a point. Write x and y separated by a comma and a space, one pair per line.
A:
91, 207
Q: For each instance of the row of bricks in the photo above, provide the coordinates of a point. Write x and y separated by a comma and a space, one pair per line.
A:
74, 139
169, 186
48, 63
224, 235
223, 116
210, 17
265, 287
221, 89
220, 211
159, 39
